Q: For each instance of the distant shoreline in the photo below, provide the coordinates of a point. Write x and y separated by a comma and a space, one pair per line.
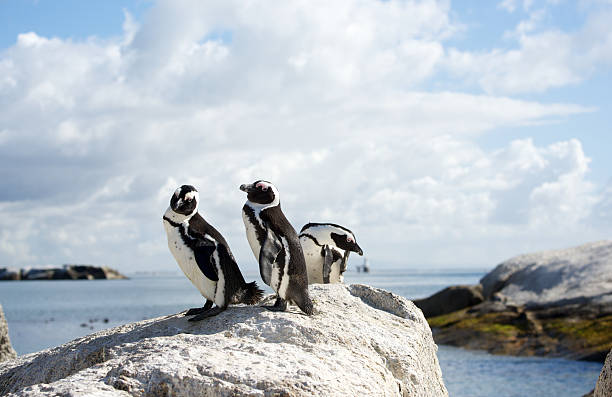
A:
65, 272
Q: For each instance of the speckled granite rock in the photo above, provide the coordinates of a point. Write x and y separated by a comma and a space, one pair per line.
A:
6, 350
355, 344
604, 383
577, 275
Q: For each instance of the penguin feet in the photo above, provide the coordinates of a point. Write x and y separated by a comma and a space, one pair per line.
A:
279, 306
199, 310
196, 310
208, 313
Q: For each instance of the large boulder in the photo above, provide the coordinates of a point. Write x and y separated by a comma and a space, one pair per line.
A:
604, 383
579, 275
450, 299
361, 341
6, 350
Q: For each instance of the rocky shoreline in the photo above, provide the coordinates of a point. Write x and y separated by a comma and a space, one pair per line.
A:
554, 303
66, 272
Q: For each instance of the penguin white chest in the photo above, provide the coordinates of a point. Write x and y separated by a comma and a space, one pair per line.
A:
315, 261
185, 258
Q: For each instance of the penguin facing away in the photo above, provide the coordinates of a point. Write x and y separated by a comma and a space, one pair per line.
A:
276, 246
326, 249
205, 257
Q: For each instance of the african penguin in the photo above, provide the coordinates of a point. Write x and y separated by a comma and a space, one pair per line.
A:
204, 256
276, 246
326, 249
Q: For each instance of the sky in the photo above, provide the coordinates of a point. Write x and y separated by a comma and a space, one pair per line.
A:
444, 133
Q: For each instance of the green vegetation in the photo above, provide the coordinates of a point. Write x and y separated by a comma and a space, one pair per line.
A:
585, 333
491, 323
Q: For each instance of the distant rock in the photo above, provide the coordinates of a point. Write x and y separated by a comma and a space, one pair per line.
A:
579, 275
67, 272
6, 350
552, 303
11, 274
604, 383
450, 299
361, 341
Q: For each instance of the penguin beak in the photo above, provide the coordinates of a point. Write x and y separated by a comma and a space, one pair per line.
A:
358, 250
246, 188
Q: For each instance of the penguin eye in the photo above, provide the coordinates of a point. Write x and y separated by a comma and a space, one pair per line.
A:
188, 199
262, 186
349, 239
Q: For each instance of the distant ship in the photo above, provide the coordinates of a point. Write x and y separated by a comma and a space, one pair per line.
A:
365, 268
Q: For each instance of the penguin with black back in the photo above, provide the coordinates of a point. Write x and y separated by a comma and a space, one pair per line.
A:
205, 257
276, 246
326, 249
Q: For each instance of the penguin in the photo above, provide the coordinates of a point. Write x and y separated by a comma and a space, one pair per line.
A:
326, 249
276, 246
205, 257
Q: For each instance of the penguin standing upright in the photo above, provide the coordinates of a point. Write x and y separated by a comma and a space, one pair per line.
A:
326, 249
276, 246
205, 257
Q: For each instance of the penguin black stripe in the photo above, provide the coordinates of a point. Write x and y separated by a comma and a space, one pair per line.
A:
170, 221
312, 224
310, 236
259, 231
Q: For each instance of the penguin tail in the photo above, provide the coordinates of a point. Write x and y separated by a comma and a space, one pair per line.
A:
251, 293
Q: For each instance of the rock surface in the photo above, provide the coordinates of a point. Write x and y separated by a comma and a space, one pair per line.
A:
604, 383
450, 299
66, 272
6, 349
361, 341
576, 275
553, 303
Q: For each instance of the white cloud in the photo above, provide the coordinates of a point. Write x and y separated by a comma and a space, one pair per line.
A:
543, 59
327, 102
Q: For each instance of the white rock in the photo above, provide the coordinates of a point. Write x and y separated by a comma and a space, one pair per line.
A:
6, 349
348, 348
574, 274
604, 383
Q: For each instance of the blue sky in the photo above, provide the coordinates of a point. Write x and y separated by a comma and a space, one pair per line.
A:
444, 133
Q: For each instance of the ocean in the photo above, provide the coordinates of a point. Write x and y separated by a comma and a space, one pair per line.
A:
42, 314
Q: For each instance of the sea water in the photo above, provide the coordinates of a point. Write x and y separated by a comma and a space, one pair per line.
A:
43, 314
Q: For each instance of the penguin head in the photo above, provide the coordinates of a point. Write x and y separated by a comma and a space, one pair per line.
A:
184, 201
347, 242
261, 192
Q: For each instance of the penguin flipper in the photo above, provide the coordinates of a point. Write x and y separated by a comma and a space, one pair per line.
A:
203, 252
268, 254
344, 262
204, 245
328, 259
